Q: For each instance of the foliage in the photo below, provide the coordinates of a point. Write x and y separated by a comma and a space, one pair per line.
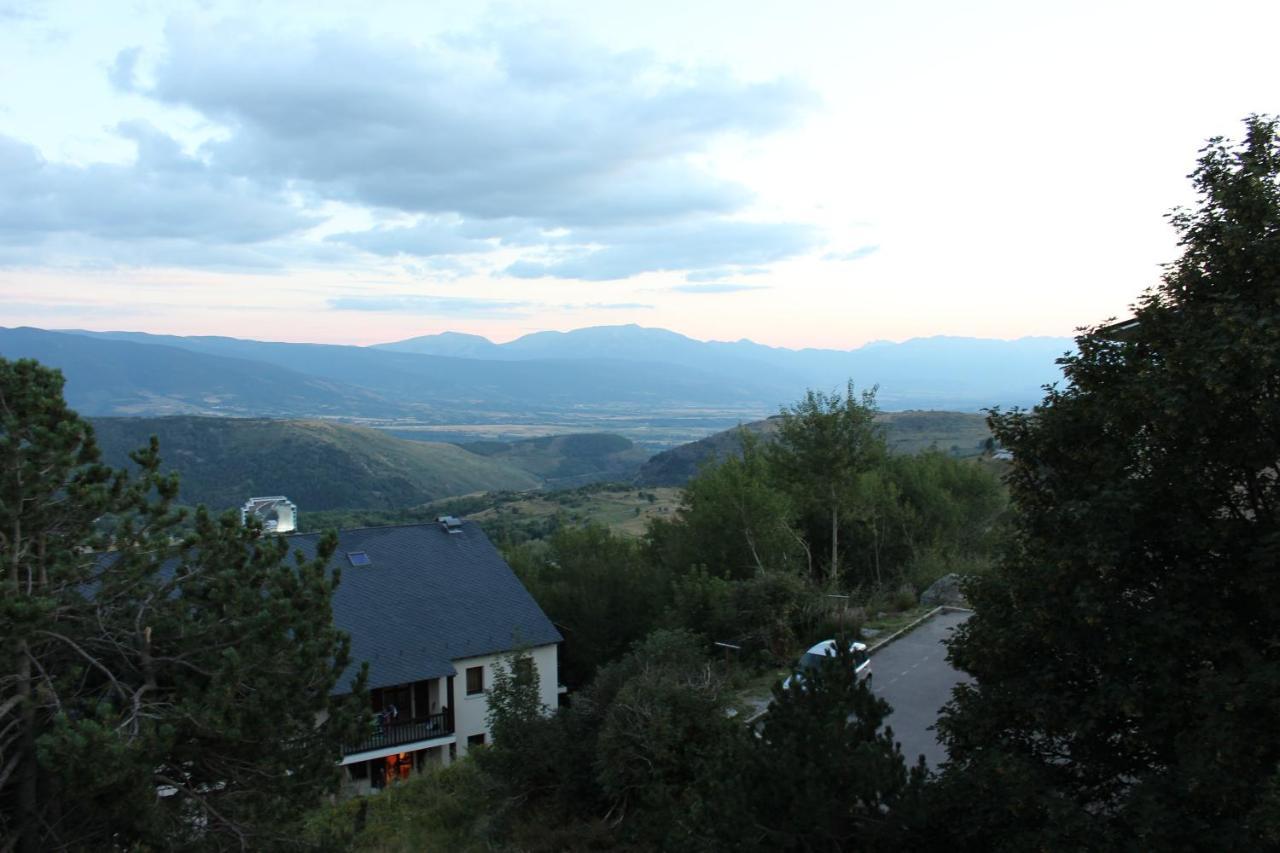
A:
445, 809
657, 733
895, 519
959, 434
1127, 648
819, 775
825, 444
150, 694
732, 520
762, 615
526, 759
598, 589
612, 767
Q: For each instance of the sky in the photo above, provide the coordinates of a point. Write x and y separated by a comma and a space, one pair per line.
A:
803, 174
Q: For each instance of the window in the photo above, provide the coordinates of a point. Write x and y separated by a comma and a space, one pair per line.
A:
399, 767
523, 670
359, 558
475, 740
475, 680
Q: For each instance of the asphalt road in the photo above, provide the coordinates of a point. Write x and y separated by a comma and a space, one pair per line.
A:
912, 675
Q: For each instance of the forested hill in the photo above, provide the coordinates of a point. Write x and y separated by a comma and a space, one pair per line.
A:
319, 465
565, 461
958, 433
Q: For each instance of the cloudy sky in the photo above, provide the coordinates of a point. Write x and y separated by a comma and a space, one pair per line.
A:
801, 174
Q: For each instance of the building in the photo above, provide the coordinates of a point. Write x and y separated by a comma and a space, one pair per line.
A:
431, 608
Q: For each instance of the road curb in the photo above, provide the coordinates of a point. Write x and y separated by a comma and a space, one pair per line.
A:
911, 626
871, 650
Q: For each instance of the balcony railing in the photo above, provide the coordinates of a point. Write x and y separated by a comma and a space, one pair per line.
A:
384, 735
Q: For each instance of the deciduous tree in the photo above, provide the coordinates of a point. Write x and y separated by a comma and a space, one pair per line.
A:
824, 444
732, 520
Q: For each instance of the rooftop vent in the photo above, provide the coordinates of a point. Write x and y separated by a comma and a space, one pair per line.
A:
278, 514
359, 558
450, 523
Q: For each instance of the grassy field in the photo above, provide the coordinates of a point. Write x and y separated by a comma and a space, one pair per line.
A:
625, 511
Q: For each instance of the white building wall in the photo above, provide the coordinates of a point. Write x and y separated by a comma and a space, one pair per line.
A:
469, 712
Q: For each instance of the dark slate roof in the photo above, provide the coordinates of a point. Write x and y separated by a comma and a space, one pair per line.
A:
427, 598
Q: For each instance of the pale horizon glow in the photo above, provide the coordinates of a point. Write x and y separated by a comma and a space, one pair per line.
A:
821, 175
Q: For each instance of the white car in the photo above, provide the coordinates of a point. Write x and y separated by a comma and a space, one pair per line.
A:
827, 648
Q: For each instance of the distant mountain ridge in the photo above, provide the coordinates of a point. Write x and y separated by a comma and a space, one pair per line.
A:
939, 372
128, 373
548, 377
124, 377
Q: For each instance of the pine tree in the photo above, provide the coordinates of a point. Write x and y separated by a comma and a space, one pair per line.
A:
822, 773
156, 688
1127, 650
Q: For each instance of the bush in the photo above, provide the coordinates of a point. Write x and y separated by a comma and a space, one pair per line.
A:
763, 614
444, 809
833, 622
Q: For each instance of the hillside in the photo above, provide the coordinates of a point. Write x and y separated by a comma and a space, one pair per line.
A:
564, 461
319, 465
958, 433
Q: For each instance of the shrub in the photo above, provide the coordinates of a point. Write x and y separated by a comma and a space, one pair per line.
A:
444, 809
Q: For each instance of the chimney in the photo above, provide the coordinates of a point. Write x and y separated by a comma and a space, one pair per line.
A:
449, 523
277, 513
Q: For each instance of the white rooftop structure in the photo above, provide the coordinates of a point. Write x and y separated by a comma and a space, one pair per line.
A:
277, 513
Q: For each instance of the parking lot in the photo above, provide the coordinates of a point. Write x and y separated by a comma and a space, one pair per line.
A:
912, 675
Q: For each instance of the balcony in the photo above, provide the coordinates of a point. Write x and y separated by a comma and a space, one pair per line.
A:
386, 735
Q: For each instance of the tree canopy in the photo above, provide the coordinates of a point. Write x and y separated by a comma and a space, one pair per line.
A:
826, 444
1127, 649
155, 691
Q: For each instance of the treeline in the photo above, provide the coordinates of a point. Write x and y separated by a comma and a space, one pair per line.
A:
763, 544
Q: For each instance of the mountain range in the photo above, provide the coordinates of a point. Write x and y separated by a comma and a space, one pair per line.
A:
942, 372
544, 377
